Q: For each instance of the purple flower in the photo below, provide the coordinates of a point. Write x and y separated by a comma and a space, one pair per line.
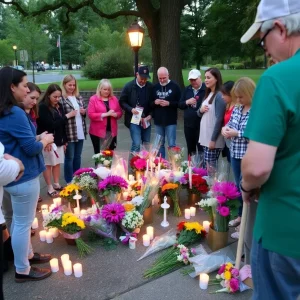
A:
111, 181
193, 250
57, 209
224, 211
221, 199
200, 171
83, 170
234, 285
227, 189
113, 212
222, 269
235, 272
183, 180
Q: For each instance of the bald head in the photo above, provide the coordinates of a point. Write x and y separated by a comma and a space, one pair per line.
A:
163, 76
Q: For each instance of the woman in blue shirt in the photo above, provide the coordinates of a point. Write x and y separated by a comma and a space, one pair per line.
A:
18, 135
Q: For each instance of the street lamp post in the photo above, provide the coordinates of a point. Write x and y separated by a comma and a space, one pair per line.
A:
136, 35
15, 49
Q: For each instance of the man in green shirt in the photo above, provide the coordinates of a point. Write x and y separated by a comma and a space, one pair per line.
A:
272, 160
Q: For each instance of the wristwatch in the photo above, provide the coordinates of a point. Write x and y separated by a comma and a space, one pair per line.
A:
242, 189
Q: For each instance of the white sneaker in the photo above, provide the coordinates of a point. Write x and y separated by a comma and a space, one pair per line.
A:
234, 222
235, 235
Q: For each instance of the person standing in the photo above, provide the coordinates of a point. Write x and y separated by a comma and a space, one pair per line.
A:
272, 159
191, 100
212, 115
166, 96
135, 99
104, 111
75, 125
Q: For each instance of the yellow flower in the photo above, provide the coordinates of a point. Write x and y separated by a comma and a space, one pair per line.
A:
228, 266
128, 206
169, 186
227, 275
193, 226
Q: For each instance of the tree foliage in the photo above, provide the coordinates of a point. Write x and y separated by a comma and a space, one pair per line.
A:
6, 52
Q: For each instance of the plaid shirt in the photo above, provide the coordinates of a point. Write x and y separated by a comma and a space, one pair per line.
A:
238, 121
71, 128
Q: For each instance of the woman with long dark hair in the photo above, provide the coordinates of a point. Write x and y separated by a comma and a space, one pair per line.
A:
18, 135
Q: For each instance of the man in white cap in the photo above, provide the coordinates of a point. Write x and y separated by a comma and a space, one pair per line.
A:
272, 160
190, 102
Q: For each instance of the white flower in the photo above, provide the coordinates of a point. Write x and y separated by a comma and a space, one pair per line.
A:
207, 202
133, 219
95, 156
179, 258
218, 276
138, 200
106, 163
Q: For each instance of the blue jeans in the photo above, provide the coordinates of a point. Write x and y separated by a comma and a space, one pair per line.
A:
72, 159
24, 199
236, 168
274, 276
170, 132
139, 135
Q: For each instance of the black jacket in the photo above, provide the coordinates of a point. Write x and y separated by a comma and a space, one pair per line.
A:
53, 121
191, 119
129, 100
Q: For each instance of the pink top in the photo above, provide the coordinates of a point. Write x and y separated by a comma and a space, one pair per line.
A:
96, 108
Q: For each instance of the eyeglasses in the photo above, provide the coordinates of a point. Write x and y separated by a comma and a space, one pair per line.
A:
261, 43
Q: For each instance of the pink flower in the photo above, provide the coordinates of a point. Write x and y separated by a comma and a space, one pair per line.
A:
224, 211
234, 285
113, 213
140, 164
221, 199
200, 171
143, 154
235, 272
227, 189
222, 269
111, 182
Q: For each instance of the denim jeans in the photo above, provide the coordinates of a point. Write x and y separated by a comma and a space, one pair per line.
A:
170, 132
139, 135
72, 159
274, 276
24, 199
236, 168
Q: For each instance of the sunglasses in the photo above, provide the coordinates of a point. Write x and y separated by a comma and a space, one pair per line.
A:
261, 43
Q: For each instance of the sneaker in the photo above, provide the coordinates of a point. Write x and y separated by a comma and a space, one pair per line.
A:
35, 274
234, 223
235, 235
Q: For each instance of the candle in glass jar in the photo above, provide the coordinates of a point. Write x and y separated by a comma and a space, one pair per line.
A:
67, 267
35, 224
132, 242
64, 258
150, 232
206, 225
54, 265
77, 270
193, 211
42, 234
57, 201
187, 213
146, 240
54, 232
203, 281
49, 237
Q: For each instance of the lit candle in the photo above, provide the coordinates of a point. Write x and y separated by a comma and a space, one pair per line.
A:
132, 242
187, 213
54, 232
125, 195
35, 224
76, 211
57, 201
44, 207
64, 258
190, 176
206, 225
193, 211
42, 234
131, 178
146, 240
49, 237
54, 265
77, 270
83, 213
150, 232
67, 267
45, 214
203, 281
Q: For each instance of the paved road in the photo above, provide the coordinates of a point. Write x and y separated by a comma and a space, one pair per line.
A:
49, 77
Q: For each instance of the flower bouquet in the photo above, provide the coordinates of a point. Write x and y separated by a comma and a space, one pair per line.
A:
138, 164
104, 158
69, 192
178, 255
134, 190
111, 186
171, 190
175, 155
196, 189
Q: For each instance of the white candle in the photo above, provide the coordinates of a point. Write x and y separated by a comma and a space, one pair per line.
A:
125, 195
54, 265
187, 213
193, 211
203, 281
44, 207
49, 237
42, 234
57, 201
190, 176
64, 258
147, 168
45, 214
146, 240
77, 270
132, 242
83, 213
54, 232
67, 267
76, 211
131, 178
35, 224
150, 232
206, 225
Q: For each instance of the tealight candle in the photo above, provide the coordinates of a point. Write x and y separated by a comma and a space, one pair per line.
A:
83, 213
57, 201
35, 224
49, 237
77, 270
54, 265
187, 213
44, 207
150, 232
42, 234
54, 232
206, 225
203, 281
132, 242
146, 240
193, 211
67, 267
64, 258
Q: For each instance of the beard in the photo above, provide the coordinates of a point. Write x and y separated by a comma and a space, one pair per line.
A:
163, 84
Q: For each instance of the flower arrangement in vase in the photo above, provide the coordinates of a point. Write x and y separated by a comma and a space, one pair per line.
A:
104, 158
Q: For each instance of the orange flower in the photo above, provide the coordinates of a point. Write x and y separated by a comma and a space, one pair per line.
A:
128, 206
169, 186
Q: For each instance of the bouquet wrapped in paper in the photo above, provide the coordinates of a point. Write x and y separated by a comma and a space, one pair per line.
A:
120, 164
175, 156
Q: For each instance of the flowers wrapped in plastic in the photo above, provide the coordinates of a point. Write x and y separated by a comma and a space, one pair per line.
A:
104, 158
171, 190
175, 155
69, 192
120, 163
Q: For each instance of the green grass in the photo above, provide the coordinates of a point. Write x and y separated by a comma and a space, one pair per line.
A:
118, 83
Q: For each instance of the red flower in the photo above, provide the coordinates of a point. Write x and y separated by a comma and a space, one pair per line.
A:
133, 160
108, 153
175, 149
180, 226
199, 184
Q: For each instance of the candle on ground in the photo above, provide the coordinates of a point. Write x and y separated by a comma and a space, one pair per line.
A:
146, 240
77, 270
150, 232
57, 201
44, 207
49, 237
131, 177
54, 232
203, 281
45, 214
54, 265
76, 211
83, 213
64, 258
193, 211
51, 207
35, 224
67, 267
42, 234
206, 225
187, 213
132, 242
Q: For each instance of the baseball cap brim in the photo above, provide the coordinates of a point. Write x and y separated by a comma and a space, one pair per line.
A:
251, 33
145, 76
193, 77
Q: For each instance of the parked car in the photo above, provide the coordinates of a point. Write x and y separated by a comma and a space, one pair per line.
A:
21, 68
40, 68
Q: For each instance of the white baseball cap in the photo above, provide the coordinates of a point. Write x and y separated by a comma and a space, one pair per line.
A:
268, 10
194, 74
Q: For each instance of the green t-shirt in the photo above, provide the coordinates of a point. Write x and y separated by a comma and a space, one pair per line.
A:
275, 121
